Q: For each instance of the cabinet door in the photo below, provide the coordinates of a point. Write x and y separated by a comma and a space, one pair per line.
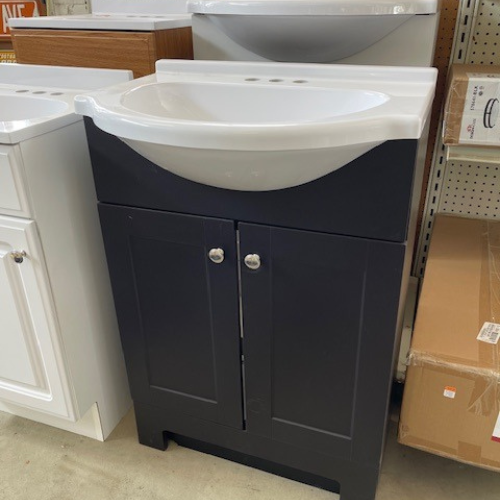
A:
319, 322
32, 372
177, 310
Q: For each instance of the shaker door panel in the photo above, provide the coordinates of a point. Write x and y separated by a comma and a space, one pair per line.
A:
177, 310
303, 323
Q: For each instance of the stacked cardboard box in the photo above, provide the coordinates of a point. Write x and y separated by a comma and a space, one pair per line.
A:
472, 109
452, 400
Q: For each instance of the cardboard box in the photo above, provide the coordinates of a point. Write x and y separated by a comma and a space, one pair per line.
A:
451, 402
472, 108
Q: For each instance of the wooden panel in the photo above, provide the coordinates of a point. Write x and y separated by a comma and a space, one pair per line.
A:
174, 44
92, 49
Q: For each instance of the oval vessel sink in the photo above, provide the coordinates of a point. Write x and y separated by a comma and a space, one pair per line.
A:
261, 126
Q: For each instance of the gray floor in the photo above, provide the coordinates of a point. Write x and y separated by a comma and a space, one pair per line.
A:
42, 463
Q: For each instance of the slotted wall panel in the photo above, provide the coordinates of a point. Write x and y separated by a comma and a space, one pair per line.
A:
451, 187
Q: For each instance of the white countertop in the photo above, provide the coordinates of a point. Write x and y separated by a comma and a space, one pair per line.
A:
175, 117
105, 21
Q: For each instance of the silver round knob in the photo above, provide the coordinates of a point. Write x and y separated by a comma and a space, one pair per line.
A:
18, 256
216, 255
252, 261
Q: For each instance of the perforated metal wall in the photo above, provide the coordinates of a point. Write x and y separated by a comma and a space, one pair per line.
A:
484, 46
471, 190
452, 187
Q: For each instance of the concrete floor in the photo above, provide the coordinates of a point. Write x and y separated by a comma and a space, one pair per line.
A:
42, 463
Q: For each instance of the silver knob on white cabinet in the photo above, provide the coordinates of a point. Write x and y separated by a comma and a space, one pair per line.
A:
216, 255
252, 261
18, 256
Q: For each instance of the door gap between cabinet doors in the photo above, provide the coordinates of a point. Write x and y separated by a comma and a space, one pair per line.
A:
240, 315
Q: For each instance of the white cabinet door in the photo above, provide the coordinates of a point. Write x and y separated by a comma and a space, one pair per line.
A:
32, 372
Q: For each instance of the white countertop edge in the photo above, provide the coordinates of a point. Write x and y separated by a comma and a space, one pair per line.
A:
92, 22
314, 7
61, 77
408, 75
156, 7
37, 129
379, 124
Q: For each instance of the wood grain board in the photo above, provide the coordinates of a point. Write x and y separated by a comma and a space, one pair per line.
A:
136, 51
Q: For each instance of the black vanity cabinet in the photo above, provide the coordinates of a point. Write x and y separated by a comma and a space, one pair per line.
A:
252, 328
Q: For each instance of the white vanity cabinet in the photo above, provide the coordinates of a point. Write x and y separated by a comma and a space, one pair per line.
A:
61, 361
32, 371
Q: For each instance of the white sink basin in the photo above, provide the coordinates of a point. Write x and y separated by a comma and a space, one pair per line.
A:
35, 100
242, 105
309, 30
19, 107
27, 111
261, 126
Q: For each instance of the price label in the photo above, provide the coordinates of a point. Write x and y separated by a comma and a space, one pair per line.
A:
490, 333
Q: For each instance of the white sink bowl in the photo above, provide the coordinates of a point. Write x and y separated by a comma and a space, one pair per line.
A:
261, 126
20, 107
236, 104
27, 111
309, 30
35, 100
315, 39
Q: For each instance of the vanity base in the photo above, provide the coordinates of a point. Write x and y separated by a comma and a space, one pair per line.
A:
352, 480
285, 367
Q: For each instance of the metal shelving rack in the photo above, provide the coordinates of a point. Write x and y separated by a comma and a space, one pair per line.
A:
465, 181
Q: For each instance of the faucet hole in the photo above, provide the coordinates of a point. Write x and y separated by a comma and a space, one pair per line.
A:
56, 93
21, 91
39, 92
252, 79
275, 80
300, 81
